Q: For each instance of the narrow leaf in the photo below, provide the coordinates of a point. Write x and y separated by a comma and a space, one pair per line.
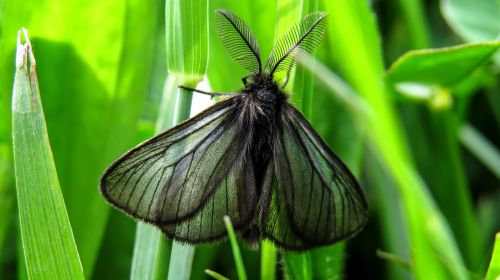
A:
298, 266
355, 44
268, 261
215, 275
48, 244
480, 147
240, 268
494, 269
181, 261
186, 50
186, 27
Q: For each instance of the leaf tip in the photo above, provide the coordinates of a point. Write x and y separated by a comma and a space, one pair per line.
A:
23, 49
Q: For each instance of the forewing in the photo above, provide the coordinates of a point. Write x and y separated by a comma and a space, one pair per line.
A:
321, 198
235, 197
170, 177
238, 40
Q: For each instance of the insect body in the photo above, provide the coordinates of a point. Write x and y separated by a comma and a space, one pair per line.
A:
252, 156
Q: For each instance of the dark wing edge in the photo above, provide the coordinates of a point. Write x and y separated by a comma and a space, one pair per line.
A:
314, 199
238, 40
146, 165
304, 36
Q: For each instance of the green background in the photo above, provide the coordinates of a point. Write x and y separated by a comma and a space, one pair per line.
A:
406, 92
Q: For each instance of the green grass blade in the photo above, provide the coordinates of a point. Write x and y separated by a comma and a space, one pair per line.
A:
215, 275
268, 256
187, 58
186, 42
414, 17
94, 84
240, 267
358, 110
152, 250
356, 46
431, 68
480, 147
49, 247
494, 269
181, 261
145, 252
298, 266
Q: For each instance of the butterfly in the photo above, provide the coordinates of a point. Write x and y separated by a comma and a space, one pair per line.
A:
252, 157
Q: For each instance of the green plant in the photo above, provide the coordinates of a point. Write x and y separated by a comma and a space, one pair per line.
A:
418, 127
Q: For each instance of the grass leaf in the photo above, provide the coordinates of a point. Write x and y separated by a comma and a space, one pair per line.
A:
494, 268
356, 45
49, 247
479, 146
215, 275
298, 266
187, 57
268, 256
240, 267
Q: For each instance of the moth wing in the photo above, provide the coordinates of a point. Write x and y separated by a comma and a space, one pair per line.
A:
277, 225
314, 200
169, 178
235, 197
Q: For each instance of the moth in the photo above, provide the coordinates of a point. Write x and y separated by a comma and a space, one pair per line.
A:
252, 157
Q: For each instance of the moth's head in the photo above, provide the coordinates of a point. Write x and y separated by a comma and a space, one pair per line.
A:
240, 43
256, 81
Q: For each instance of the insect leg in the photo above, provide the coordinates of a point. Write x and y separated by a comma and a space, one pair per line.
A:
212, 94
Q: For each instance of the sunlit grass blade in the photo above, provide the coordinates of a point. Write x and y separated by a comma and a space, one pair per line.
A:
186, 26
215, 275
430, 69
393, 258
362, 66
145, 252
268, 256
240, 267
393, 232
480, 147
48, 244
187, 51
494, 268
298, 266
181, 261
152, 251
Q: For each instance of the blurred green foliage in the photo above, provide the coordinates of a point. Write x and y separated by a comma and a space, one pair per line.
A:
424, 148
